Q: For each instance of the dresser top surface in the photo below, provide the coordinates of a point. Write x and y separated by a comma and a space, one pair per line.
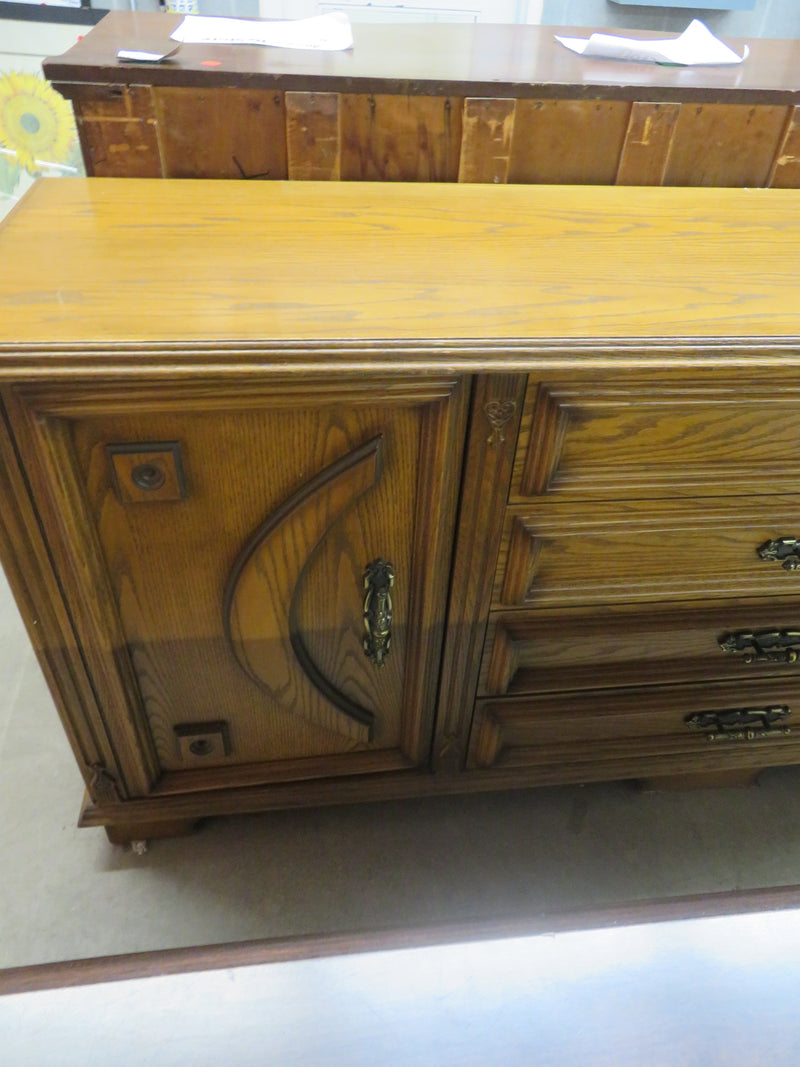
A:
482, 59
142, 261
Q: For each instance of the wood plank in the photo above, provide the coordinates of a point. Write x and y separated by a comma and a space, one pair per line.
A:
156, 962
227, 133
724, 145
400, 138
571, 142
117, 129
488, 129
785, 172
433, 263
312, 136
648, 141
496, 410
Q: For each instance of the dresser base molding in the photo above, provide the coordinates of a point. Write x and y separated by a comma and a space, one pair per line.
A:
132, 819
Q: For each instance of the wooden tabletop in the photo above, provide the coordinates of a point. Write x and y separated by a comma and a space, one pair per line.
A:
135, 261
428, 59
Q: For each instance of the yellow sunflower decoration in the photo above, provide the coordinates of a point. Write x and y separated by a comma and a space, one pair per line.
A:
35, 122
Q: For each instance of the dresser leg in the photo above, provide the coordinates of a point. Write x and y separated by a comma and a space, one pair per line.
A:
138, 833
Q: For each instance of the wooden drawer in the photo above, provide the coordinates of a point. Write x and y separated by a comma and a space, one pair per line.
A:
559, 554
650, 439
631, 732
553, 651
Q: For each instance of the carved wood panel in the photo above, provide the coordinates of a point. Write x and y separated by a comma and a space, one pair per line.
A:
165, 566
637, 644
656, 439
644, 550
621, 733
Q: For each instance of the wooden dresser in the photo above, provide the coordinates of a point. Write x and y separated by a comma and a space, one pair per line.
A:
331, 492
420, 103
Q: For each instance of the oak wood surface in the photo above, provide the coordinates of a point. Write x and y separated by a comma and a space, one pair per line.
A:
647, 437
163, 566
645, 339
230, 133
419, 262
634, 550
487, 471
629, 645
610, 727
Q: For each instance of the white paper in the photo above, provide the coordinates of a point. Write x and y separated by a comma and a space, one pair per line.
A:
132, 55
323, 33
697, 46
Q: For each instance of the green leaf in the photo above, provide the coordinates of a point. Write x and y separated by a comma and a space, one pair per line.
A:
10, 173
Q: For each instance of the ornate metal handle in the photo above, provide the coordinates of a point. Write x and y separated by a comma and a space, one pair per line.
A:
763, 646
378, 582
784, 550
741, 724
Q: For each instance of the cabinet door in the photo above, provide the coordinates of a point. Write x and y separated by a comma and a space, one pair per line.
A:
256, 572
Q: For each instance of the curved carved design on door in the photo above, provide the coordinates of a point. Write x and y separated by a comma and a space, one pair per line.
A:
263, 591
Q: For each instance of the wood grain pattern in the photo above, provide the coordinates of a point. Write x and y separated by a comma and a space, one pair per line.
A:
627, 645
486, 140
647, 145
643, 382
653, 438
571, 115
313, 139
724, 145
265, 582
169, 600
488, 464
644, 550
400, 138
785, 172
227, 133
428, 263
117, 129
568, 141
603, 727
29, 569
55, 484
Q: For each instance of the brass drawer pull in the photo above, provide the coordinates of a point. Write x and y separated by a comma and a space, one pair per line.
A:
763, 646
741, 724
378, 582
783, 550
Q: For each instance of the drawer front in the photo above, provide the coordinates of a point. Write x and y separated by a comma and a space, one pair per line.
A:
656, 439
626, 732
560, 554
635, 645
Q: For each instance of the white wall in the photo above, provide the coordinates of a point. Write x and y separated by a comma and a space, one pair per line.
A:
513, 11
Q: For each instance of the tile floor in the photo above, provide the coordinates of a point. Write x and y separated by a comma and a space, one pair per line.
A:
67, 893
